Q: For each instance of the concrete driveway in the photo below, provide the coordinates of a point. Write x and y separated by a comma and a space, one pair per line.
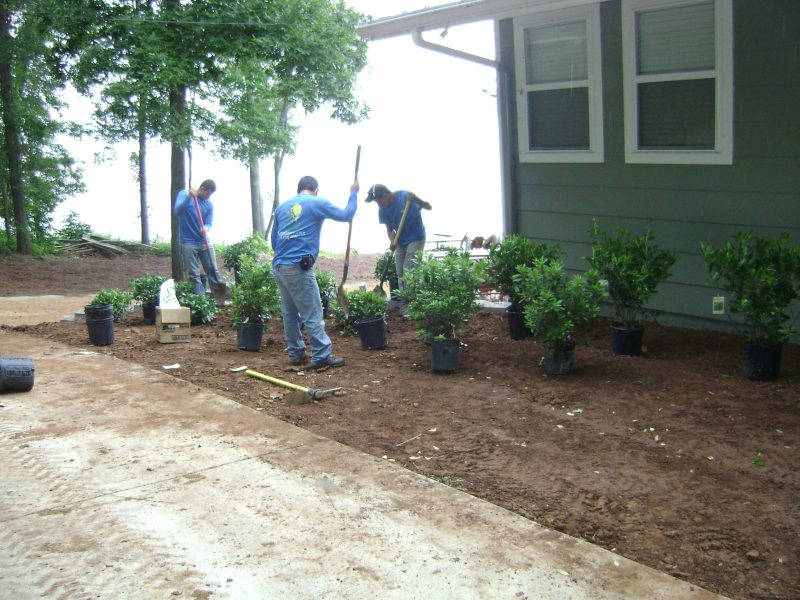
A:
117, 481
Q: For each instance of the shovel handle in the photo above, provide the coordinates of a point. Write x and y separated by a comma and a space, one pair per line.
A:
276, 381
358, 160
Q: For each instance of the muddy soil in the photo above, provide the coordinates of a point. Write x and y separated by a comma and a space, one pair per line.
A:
673, 459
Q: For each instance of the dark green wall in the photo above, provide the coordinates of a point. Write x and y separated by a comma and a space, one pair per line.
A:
683, 204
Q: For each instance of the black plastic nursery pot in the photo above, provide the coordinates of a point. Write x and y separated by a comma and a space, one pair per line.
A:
626, 341
444, 355
16, 374
559, 358
249, 336
149, 313
99, 323
517, 329
762, 360
372, 332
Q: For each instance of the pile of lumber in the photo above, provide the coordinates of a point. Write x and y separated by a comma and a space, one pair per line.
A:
89, 245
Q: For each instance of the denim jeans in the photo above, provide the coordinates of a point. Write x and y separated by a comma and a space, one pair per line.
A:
300, 304
195, 254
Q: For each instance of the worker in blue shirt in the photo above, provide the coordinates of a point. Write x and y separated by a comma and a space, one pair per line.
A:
390, 213
295, 241
195, 245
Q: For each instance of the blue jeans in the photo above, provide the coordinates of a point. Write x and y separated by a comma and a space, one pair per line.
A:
193, 255
300, 304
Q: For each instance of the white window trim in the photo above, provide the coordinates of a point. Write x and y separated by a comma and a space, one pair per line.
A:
722, 154
595, 153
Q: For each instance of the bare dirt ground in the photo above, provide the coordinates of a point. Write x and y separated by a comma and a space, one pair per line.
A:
673, 459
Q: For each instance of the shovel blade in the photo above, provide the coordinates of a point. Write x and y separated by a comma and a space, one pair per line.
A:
220, 292
341, 298
297, 398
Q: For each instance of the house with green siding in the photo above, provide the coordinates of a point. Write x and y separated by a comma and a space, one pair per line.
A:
680, 116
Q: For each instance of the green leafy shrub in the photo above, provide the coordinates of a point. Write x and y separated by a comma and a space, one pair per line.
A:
203, 308
362, 304
380, 265
146, 288
252, 247
505, 256
633, 267
555, 303
73, 229
762, 278
442, 293
255, 298
326, 282
120, 301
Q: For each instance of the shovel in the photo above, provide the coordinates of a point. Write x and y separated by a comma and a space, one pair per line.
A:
341, 295
379, 288
219, 290
300, 394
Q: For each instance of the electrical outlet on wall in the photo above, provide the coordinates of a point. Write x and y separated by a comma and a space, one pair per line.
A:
718, 305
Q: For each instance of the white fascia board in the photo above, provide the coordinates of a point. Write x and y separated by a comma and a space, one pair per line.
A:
459, 13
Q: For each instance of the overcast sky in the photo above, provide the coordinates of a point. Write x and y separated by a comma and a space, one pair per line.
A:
432, 130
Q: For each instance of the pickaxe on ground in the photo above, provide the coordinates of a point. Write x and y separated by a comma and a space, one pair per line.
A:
300, 394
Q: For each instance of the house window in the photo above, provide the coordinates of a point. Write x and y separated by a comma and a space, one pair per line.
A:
678, 78
559, 96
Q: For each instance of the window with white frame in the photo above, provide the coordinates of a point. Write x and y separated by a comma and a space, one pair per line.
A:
678, 79
559, 92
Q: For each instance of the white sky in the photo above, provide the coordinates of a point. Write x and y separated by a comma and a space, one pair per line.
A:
432, 129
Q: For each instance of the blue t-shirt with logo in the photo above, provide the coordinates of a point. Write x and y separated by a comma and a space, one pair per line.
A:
298, 224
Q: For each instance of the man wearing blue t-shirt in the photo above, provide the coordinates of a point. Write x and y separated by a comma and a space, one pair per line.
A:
412, 236
195, 214
295, 241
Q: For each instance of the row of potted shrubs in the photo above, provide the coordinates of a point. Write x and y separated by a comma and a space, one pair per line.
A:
760, 276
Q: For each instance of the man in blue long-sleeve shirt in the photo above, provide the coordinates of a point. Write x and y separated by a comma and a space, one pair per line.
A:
295, 241
195, 245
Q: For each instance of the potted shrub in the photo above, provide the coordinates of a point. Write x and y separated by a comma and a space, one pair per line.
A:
391, 274
326, 282
504, 257
253, 302
367, 312
120, 302
442, 293
202, 308
633, 267
555, 304
366, 316
146, 289
762, 279
252, 247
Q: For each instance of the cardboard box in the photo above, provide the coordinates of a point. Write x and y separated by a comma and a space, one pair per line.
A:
172, 324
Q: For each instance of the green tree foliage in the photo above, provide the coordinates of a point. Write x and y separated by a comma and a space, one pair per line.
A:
36, 172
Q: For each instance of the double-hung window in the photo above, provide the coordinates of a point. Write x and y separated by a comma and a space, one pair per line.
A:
678, 78
559, 92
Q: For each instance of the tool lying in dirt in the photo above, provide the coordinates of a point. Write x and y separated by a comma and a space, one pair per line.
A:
379, 288
300, 394
341, 295
219, 290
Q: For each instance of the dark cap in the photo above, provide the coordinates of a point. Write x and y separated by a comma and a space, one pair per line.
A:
377, 191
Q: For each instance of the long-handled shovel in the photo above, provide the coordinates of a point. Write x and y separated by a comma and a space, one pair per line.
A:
341, 295
300, 394
379, 288
219, 290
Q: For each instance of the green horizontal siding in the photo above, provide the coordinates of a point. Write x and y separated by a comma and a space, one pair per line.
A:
683, 204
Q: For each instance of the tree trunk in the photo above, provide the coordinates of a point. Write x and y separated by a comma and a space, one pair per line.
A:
256, 203
177, 102
11, 131
143, 185
277, 171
